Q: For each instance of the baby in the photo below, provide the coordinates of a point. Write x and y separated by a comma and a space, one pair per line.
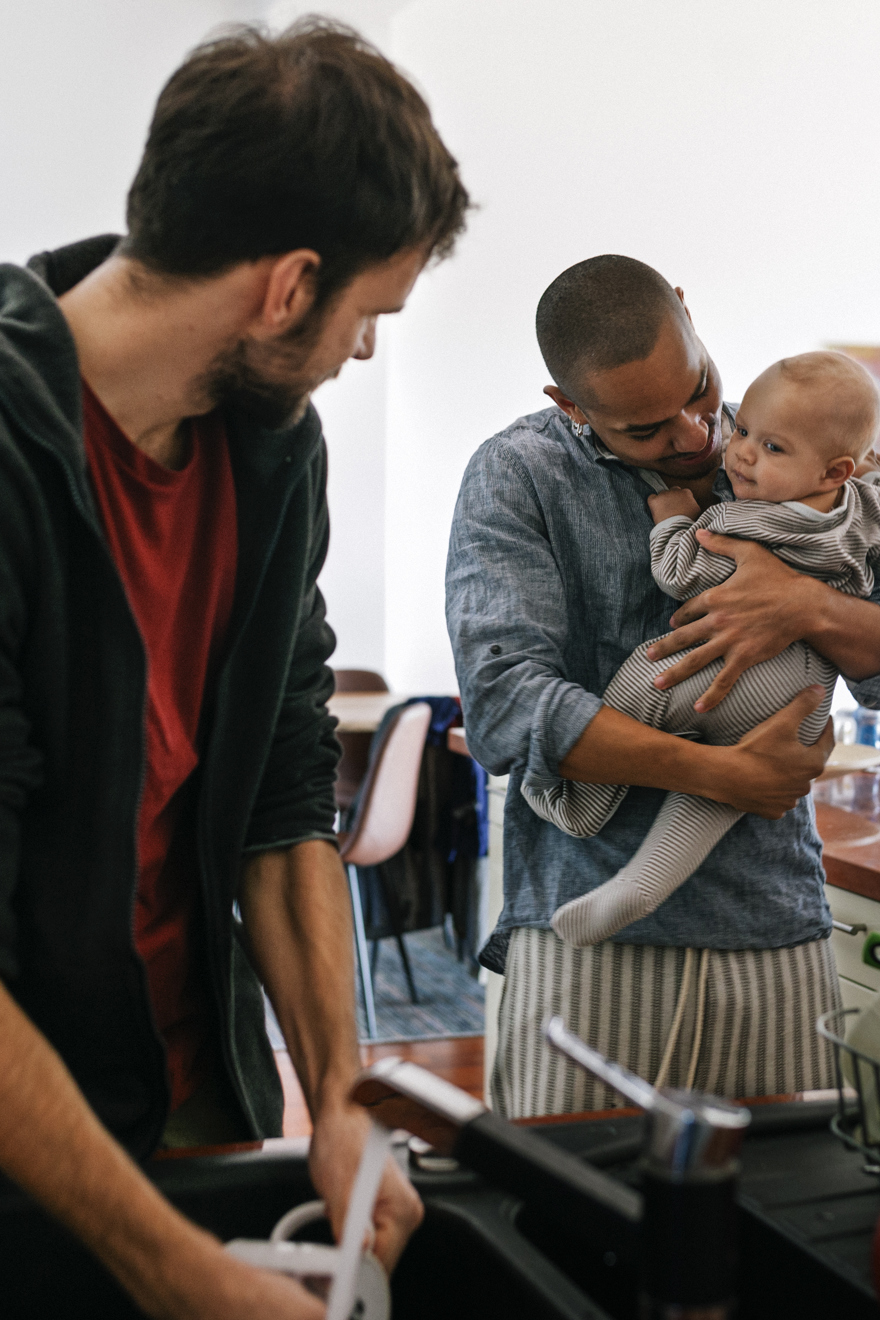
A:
801, 430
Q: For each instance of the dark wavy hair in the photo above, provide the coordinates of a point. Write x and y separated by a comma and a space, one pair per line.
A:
262, 144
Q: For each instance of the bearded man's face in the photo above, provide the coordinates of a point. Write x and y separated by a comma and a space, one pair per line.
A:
273, 379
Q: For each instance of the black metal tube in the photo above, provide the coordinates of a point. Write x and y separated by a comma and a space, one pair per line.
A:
689, 1249
553, 1183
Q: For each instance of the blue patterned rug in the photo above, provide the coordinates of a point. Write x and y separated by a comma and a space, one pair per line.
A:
451, 1001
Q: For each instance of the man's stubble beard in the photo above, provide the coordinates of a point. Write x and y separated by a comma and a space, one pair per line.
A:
270, 382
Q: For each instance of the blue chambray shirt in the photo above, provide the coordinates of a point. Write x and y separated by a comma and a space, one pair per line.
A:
549, 589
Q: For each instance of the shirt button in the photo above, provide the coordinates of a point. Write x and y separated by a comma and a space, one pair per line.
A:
495, 649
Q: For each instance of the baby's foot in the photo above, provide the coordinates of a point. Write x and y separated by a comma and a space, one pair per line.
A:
599, 915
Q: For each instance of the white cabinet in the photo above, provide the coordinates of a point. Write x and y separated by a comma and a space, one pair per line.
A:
858, 981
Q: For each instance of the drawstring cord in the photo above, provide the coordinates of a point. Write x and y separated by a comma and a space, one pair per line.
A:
678, 1018
675, 1029
701, 1016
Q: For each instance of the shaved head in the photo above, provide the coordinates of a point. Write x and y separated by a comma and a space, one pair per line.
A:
601, 314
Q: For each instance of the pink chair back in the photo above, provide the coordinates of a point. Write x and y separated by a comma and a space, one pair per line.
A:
388, 806
359, 680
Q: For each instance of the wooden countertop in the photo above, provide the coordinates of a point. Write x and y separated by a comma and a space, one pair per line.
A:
848, 820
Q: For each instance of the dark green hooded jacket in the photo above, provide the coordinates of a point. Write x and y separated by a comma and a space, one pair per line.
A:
72, 701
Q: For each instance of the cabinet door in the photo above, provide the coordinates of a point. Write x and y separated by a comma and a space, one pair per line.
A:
854, 910
854, 995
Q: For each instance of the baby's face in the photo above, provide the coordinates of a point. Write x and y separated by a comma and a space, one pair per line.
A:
775, 452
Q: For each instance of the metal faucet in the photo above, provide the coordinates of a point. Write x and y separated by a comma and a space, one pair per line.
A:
689, 1169
679, 1232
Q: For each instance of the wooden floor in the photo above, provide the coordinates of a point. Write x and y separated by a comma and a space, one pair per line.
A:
457, 1059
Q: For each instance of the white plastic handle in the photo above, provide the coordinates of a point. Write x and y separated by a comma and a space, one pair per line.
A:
360, 1212
296, 1219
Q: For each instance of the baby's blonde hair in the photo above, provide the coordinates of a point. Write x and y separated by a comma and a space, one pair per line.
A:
848, 403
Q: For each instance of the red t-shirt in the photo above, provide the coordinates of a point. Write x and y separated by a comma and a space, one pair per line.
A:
173, 537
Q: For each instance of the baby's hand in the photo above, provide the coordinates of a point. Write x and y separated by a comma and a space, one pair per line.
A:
672, 504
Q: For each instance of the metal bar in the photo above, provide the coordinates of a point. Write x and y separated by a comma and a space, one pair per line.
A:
635, 1088
849, 930
363, 956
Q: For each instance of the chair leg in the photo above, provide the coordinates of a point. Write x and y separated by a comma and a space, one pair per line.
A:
407, 969
363, 956
393, 908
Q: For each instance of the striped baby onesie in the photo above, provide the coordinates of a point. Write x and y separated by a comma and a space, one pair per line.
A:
842, 548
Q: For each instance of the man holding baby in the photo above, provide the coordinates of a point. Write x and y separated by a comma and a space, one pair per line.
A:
549, 591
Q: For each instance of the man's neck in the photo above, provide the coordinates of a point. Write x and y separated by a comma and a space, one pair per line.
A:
145, 353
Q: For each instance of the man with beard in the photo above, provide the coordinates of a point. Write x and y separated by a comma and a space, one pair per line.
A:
549, 590
166, 757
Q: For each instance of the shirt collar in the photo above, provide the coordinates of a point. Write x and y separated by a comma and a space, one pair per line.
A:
602, 454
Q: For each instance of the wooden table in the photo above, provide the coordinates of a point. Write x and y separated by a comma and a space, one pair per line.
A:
362, 712
456, 741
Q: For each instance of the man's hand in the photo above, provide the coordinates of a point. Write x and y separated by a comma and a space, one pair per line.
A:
215, 1286
768, 770
673, 503
334, 1156
297, 912
761, 609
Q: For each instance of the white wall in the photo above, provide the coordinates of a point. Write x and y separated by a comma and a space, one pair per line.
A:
729, 142
353, 413
79, 81
731, 145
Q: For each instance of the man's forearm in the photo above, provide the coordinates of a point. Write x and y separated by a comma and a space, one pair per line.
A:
297, 913
616, 749
53, 1146
844, 629
766, 772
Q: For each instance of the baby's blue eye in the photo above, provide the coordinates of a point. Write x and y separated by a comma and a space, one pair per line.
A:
742, 430
774, 449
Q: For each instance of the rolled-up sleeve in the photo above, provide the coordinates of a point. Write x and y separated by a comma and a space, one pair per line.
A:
867, 692
507, 619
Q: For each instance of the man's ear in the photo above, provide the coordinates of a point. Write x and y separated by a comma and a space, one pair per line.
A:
838, 471
289, 293
687, 311
568, 406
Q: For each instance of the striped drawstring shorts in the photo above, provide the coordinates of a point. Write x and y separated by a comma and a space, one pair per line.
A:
747, 1020
686, 828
